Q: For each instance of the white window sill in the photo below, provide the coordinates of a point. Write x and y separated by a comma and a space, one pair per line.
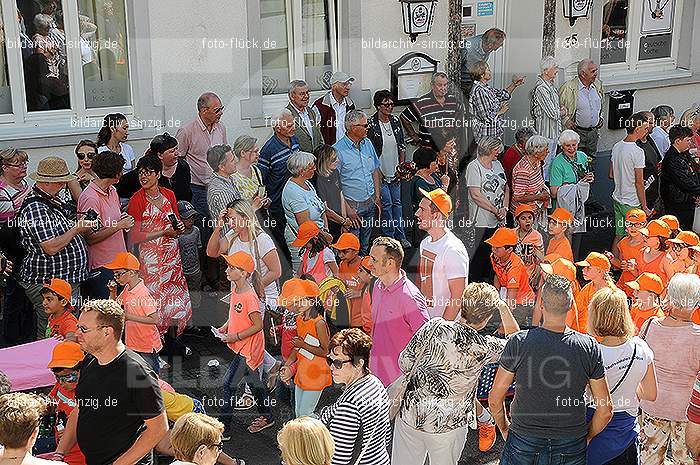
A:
644, 79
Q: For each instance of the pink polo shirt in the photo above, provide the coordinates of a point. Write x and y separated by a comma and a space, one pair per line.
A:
398, 311
106, 204
193, 142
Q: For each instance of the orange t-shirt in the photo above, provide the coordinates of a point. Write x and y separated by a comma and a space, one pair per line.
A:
62, 325
241, 307
360, 308
583, 299
628, 251
653, 266
65, 403
141, 337
639, 316
513, 275
314, 374
561, 247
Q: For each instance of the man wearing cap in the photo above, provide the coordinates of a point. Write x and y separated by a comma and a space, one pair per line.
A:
444, 261
101, 196
55, 245
307, 129
332, 108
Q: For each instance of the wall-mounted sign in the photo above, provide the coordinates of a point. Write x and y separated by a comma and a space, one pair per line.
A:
658, 46
574, 9
657, 16
411, 75
484, 9
468, 30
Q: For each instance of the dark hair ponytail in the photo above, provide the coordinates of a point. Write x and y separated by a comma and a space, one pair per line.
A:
110, 122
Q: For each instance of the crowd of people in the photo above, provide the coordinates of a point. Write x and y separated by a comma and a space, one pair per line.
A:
308, 235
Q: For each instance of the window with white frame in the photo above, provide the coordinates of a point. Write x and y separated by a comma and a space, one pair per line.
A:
299, 42
64, 58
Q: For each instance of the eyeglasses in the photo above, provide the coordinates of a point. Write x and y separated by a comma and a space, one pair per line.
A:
336, 363
69, 378
147, 172
676, 246
629, 224
119, 274
388, 104
90, 155
219, 109
84, 330
219, 446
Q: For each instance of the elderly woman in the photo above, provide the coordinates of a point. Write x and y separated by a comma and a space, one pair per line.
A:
300, 200
112, 136
44, 43
528, 181
546, 109
434, 413
489, 197
20, 417
488, 104
664, 116
247, 178
663, 420
305, 441
327, 182
515, 152
198, 439
359, 420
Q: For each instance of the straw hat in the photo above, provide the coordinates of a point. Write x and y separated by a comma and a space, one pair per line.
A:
52, 169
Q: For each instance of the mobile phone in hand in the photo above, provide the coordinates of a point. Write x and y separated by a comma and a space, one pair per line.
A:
173, 220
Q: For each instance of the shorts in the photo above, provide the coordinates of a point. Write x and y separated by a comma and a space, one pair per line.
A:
621, 210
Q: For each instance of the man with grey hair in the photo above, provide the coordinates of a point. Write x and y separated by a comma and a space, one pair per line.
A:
582, 97
307, 133
332, 108
360, 175
478, 48
221, 190
552, 366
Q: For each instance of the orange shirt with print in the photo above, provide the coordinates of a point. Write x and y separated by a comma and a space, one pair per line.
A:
627, 252
561, 247
62, 325
252, 348
141, 337
527, 249
65, 403
513, 275
360, 308
639, 315
583, 299
314, 374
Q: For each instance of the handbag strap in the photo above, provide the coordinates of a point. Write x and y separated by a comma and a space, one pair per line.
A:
643, 336
634, 354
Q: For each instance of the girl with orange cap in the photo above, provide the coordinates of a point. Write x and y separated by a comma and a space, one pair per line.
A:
560, 221
313, 374
673, 224
530, 246
654, 258
554, 264
317, 258
681, 261
596, 270
625, 253
647, 288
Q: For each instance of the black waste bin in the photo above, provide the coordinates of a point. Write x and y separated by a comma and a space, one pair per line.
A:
621, 107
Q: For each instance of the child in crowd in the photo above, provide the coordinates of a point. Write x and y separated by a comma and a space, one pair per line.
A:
654, 258
530, 247
317, 259
190, 243
596, 270
647, 288
66, 360
313, 374
140, 309
243, 332
56, 302
364, 275
555, 265
625, 252
347, 247
680, 252
560, 221
511, 278
673, 224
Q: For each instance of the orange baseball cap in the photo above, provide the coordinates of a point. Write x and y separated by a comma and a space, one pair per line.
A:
124, 261
649, 282
307, 231
367, 263
636, 216
241, 260
688, 238
503, 237
562, 215
596, 259
66, 354
62, 288
560, 267
347, 241
671, 221
295, 289
656, 228
440, 199
549, 258
523, 208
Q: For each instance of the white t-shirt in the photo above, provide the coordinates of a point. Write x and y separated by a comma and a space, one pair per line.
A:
128, 154
492, 183
390, 151
626, 156
265, 245
441, 261
616, 360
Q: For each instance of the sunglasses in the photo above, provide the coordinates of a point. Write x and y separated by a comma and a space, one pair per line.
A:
219, 110
84, 329
90, 155
69, 378
119, 274
336, 363
146, 172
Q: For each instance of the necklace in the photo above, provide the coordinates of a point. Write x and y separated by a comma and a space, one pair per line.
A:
386, 128
153, 198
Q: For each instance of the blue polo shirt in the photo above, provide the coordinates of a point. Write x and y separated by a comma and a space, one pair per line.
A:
273, 168
356, 168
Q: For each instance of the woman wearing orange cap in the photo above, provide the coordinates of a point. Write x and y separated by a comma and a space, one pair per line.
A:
654, 258
626, 252
647, 289
681, 262
596, 270
310, 345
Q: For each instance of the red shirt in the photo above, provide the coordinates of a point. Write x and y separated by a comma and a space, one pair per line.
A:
62, 325
513, 275
65, 403
510, 158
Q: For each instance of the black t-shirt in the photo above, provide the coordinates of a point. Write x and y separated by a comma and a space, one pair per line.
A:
652, 158
114, 400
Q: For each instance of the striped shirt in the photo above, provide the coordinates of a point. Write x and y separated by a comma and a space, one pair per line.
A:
437, 123
273, 168
484, 103
220, 192
527, 179
362, 411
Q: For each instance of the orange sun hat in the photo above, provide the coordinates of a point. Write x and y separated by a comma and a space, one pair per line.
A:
124, 261
440, 199
241, 260
562, 215
560, 267
688, 238
296, 289
347, 241
61, 288
656, 228
66, 354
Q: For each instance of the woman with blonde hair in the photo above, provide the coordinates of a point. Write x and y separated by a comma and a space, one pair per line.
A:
305, 441
198, 439
629, 370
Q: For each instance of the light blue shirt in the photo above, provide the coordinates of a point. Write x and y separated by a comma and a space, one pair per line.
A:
296, 199
661, 139
356, 168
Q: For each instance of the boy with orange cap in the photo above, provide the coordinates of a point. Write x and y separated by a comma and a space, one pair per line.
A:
243, 332
348, 247
511, 274
647, 288
66, 361
530, 246
140, 309
681, 261
596, 270
62, 323
317, 259
625, 253
560, 221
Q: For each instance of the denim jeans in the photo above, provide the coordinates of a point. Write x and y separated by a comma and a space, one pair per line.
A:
528, 450
366, 210
152, 359
305, 402
239, 370
392, 211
